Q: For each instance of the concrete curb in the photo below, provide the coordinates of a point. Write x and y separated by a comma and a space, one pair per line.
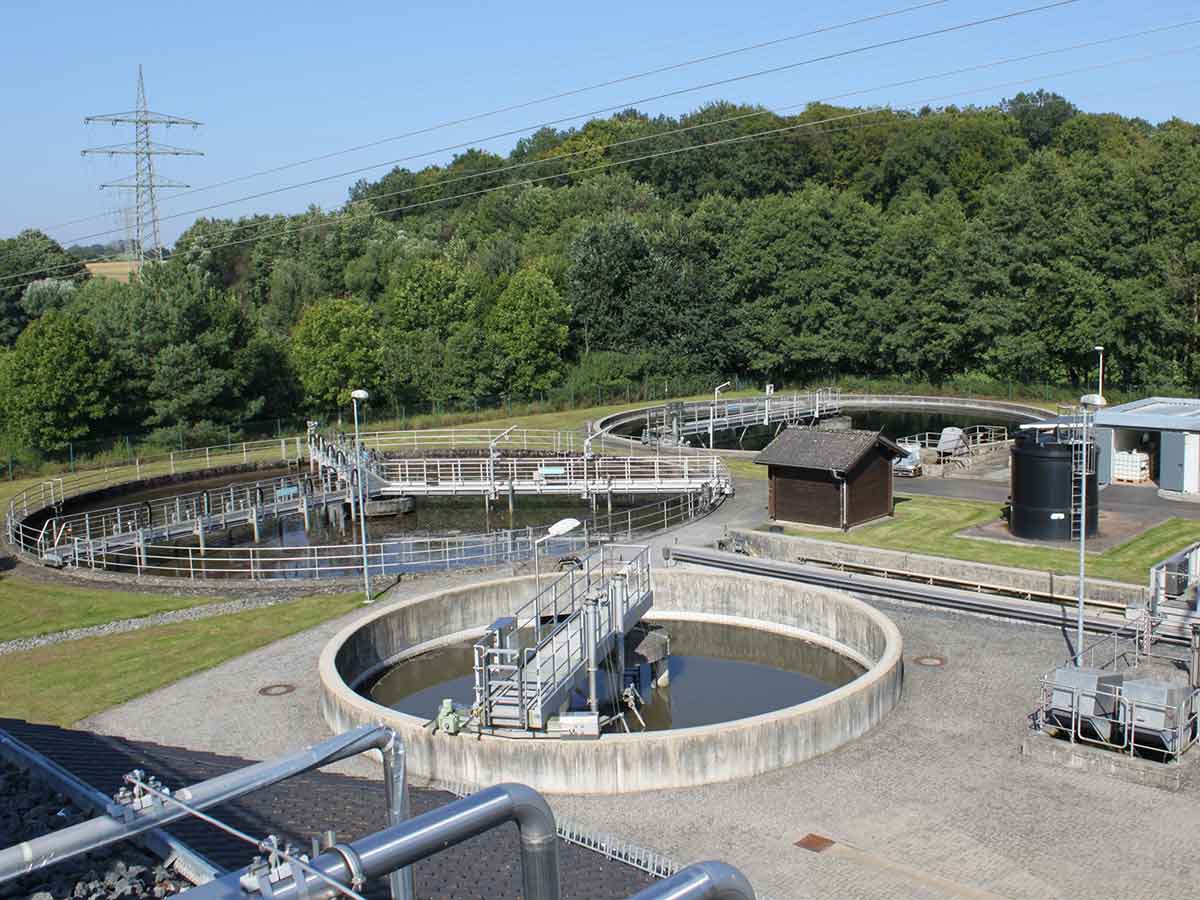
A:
619, 763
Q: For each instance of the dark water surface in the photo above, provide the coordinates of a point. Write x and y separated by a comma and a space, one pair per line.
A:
896, 424
718, 673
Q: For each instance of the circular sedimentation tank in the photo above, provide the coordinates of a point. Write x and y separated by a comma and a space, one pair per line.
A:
1042, 485
856, 682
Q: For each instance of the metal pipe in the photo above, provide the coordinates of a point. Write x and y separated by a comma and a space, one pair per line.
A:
93, 834
1083, 491
396, 786
716, 880
402, 845
192, 865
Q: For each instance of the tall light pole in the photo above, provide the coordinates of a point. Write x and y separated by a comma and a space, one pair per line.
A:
356, 396
562, 526
1087, 404
1100, 388
712, 411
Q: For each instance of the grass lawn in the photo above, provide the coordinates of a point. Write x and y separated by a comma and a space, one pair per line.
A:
928, 525
64, 683
30, 608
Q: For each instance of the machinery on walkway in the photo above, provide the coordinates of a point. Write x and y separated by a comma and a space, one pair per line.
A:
529, 666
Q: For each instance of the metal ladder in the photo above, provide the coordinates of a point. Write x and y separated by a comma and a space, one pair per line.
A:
1082, 465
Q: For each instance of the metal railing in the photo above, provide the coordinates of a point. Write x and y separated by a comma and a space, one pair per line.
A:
1115, 714
136, 555
53, 492
521, 670
698, 417
975, 438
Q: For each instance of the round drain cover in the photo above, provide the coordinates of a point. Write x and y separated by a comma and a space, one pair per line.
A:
276, 690
931, 662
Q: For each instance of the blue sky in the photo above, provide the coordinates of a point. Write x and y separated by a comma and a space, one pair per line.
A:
275, 82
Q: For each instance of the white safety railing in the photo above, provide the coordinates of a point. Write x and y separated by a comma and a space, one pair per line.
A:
136, 554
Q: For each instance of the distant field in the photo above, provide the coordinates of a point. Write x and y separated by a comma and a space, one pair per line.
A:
120, 270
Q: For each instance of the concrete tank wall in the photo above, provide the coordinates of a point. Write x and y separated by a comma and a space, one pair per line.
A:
620, 763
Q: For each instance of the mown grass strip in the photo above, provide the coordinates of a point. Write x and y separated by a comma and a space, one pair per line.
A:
64, 683
31, 608
930, 526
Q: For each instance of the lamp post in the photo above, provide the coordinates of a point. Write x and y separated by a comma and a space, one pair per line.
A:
356, 396
712, 410
1087, 404
1100, 388
561, 527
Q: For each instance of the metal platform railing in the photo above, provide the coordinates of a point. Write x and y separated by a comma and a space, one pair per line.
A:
525, 667
1094, 703
975, 439
388, 557
492, 475
700, 417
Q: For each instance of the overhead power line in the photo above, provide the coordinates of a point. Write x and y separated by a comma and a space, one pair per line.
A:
442, 182
352, 216
561, 95
840, 54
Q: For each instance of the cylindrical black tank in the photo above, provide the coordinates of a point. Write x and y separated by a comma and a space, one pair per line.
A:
1041, 489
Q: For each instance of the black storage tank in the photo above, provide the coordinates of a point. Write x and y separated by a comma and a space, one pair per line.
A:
1041, 488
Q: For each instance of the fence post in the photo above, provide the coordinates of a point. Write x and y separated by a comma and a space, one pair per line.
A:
172, 462
71, 453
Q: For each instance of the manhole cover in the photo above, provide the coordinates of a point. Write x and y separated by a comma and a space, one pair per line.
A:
276, 690
817, 843
931, 662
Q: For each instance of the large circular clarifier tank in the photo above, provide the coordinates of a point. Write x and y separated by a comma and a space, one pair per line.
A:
1042, 484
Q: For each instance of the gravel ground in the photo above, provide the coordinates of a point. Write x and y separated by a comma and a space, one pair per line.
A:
29, 810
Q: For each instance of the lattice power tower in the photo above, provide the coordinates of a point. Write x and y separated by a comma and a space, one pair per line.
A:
144, 183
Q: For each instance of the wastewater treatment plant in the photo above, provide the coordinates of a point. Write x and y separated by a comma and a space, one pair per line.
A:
682, 614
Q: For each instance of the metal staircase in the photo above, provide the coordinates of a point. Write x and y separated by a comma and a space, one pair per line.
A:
528, 665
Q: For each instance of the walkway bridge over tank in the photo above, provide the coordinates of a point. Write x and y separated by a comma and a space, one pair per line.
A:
528, 665
509, 462
84, 538
677, 421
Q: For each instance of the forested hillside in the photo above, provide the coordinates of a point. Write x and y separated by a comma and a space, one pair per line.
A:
991, 242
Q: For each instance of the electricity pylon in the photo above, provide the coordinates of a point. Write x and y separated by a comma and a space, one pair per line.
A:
143, 182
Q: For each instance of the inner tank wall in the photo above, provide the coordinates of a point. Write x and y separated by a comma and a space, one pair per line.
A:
1042, 484
618, 763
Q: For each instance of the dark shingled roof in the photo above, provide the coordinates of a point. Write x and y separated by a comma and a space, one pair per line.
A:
823, 448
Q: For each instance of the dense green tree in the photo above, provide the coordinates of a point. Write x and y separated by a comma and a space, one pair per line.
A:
528, 329
58, 382
334, 350
29, 256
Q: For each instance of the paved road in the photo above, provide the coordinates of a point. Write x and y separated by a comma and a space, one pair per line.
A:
935, 802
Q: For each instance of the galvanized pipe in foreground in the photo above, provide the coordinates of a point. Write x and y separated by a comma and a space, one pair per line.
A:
93, 834
401, 845
716, 880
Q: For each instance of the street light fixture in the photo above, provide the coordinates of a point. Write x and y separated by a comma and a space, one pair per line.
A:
712, 411
559, 528
356, 396
1100, 388
1088, 404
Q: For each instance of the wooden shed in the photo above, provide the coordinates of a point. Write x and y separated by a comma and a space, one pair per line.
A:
821, 476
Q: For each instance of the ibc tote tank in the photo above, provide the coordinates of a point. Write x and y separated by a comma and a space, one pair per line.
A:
1041, 489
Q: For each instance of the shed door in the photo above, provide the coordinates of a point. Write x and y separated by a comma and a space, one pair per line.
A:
1191, 464
1172, 453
